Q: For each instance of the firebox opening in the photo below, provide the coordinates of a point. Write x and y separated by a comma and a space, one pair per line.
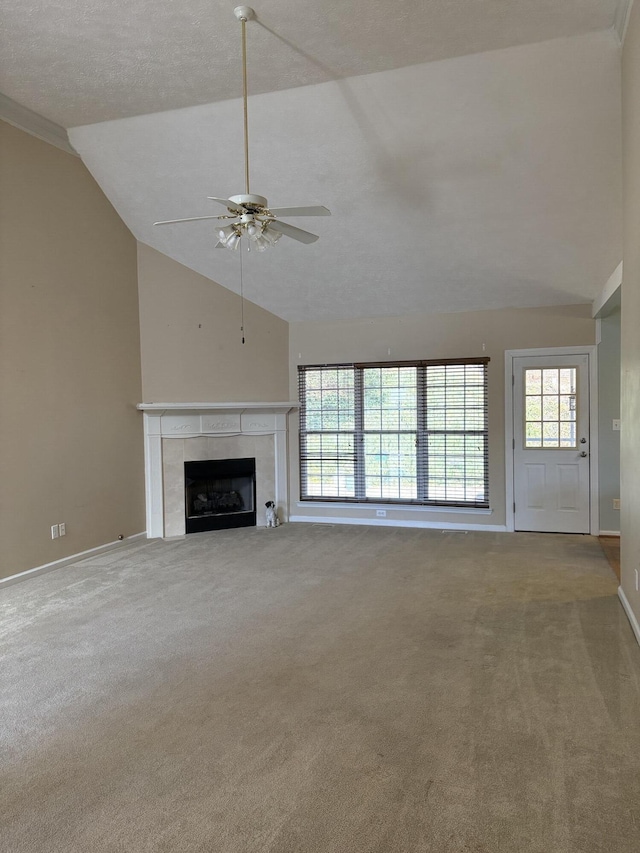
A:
219, 494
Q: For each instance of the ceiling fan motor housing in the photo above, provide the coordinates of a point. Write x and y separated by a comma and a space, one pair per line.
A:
252, 203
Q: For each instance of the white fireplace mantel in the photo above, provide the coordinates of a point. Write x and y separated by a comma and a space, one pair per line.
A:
191, 420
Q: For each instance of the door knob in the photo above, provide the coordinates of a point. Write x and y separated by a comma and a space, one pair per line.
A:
584, 453
583, 441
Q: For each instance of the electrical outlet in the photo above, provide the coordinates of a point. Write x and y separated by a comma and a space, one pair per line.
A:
62, 528
381, 513
54, 531
616, 424
616, 503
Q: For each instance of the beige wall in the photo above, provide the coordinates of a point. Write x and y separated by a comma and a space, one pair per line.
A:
191, 341
70, 438
630, 392
481, 333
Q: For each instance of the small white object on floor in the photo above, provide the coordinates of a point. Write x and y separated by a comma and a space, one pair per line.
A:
272, 515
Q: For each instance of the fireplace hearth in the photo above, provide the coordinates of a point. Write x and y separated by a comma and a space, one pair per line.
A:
220, 494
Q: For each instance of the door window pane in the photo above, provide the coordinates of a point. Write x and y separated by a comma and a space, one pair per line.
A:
550, 407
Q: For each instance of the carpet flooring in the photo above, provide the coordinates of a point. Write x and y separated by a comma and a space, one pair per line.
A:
316, 689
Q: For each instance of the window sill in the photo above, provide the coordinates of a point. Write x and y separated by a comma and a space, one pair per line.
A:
456, 510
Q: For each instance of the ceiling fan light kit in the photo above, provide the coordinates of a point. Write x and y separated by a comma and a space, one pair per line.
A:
255, 221
255, 230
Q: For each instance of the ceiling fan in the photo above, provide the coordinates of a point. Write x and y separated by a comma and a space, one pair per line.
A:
250, 215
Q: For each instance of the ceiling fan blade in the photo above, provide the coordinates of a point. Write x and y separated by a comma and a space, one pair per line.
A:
188, 219
319, 210
291, 231
227, 203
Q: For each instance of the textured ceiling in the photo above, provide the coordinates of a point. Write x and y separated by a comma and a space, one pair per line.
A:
479, 182
469, 150
83, 61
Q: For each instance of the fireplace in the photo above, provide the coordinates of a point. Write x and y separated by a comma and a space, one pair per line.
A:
219, 494
175, 433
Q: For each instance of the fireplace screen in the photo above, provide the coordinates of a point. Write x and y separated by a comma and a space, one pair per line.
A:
220, 493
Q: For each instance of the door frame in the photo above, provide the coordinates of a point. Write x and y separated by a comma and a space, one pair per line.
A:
592, 352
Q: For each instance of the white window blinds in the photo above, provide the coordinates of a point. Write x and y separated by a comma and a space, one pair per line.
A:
395, 432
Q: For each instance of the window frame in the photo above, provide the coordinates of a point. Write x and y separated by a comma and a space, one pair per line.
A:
423, 436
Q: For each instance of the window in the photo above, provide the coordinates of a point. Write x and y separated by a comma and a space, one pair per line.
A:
401, 432
550, 407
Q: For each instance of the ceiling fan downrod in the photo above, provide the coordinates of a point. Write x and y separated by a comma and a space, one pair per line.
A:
244, 14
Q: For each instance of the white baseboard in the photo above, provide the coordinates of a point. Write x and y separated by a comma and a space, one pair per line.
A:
73, 558
609, 533
631, 616
390, 522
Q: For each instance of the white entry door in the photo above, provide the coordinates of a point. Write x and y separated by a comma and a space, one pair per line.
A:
551, 443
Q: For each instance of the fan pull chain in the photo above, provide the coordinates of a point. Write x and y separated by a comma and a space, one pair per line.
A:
241, 299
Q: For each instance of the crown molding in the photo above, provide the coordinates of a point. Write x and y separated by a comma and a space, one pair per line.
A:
25, 119
621, 20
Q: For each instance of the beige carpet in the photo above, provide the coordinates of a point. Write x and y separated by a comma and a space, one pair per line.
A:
329, 689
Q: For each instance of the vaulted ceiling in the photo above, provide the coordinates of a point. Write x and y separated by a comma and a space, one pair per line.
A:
468, 149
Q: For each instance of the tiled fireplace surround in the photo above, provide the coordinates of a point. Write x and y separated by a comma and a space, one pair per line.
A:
175, 433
